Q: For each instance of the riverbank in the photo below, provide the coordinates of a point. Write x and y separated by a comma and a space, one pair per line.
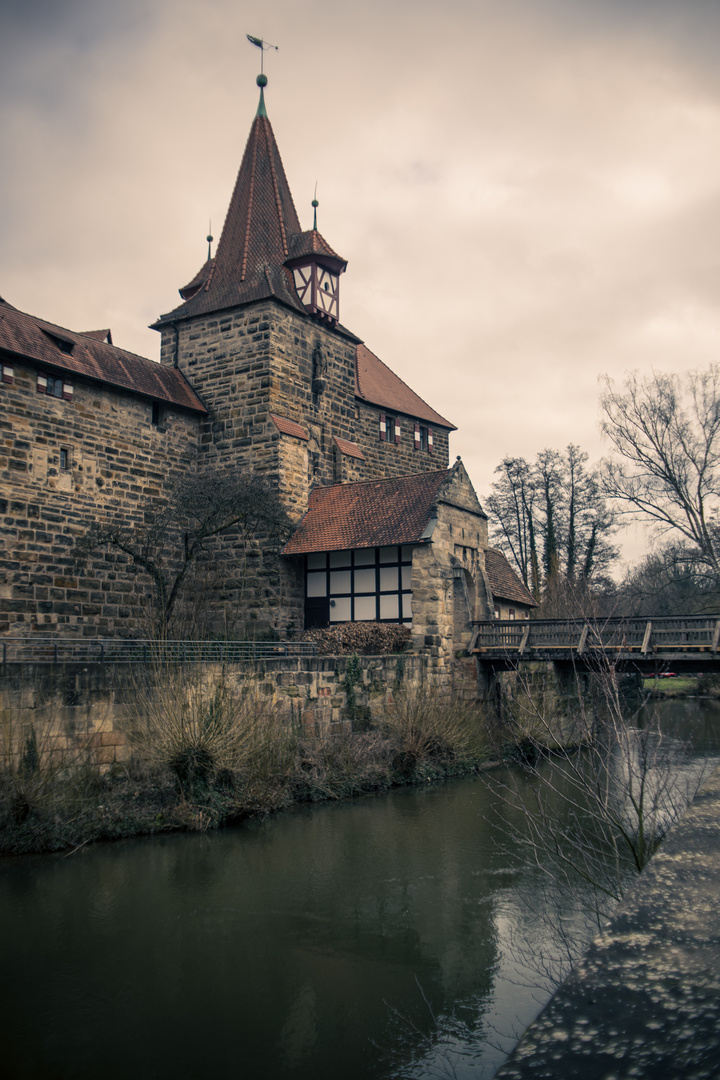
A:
670, 686
237, 766
645, 999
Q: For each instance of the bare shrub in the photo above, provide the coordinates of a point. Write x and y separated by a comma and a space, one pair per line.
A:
205, 725
338, 766
44, 764
425, 724
365, 639
590, 810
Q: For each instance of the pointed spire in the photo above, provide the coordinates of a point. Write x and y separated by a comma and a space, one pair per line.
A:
260, 238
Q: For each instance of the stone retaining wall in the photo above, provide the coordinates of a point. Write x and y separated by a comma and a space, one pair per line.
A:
73, 707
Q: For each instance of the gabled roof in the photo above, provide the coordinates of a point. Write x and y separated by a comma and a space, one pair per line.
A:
30, 338
378, 385
350, 449
289, 427
372, 513
99, 335
504, 582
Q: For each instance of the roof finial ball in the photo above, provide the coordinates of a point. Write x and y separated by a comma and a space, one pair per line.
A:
261, 80
315, 205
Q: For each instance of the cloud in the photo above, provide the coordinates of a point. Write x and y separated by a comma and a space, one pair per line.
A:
526, 192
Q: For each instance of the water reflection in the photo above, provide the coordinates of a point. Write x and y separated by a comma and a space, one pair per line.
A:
373, 939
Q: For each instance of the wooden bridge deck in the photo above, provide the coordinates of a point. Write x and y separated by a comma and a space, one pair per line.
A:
684, 643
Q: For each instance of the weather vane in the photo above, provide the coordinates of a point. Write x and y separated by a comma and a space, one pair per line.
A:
262, 45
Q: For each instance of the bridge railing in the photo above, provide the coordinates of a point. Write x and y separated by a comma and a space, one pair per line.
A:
113, 651
642, 635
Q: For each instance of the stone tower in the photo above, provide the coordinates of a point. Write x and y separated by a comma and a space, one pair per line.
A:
258, 336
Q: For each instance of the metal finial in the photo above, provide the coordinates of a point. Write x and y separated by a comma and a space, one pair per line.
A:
209, 240
315, 205
261, 80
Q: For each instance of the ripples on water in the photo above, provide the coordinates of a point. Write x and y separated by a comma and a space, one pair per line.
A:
376, 939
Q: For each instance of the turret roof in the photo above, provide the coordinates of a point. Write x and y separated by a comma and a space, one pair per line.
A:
261, 232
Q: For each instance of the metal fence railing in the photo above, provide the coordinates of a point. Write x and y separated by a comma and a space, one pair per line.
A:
29, 650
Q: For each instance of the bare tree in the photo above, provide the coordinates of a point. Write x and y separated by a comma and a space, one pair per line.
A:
551, 511
512, 505
601, 785
167, 543
665, 430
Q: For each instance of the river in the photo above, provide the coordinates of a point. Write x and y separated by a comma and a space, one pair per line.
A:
380, 938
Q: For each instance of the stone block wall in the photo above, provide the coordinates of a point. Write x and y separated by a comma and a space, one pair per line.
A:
384, 458
448, 580
84, 708
249, 362
118, 465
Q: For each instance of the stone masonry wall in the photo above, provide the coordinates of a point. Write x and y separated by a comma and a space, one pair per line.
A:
262, 359
447, 578
384, 458
78, 706
252, 361
119, 464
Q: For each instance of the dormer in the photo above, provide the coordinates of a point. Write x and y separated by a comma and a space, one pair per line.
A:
316, 271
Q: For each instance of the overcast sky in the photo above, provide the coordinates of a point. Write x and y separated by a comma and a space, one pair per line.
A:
527, 192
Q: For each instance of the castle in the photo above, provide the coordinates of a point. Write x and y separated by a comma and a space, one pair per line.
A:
257, 373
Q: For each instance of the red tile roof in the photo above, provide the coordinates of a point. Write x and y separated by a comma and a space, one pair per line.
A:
31, 338
312, 243
373, 513
289, 427
255, 242
99, 335
351, 449
504, 582
378, 385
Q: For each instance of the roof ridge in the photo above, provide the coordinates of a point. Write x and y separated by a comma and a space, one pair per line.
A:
251, 195
278, 203
382, 479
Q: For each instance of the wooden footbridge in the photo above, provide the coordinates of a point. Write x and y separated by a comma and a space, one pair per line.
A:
650, 645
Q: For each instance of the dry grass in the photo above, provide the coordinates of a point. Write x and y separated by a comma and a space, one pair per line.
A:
206, 727
425, 724
46, 767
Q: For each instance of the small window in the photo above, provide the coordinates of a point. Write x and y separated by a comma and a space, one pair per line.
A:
156, 414
63, 344
7, 373
64, 458
390, 428
511, 613
423, 440
54, 387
